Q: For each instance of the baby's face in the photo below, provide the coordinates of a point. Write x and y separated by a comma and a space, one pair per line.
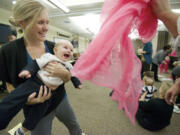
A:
64, 52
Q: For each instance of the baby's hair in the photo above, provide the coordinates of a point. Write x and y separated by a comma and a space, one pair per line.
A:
62, 41
149, 74
165, 86
149, 81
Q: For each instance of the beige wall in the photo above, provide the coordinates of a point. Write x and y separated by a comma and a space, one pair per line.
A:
154, 44
4, 16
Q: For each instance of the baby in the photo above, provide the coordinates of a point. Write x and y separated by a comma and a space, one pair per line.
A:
16, 100
148, 88
164, 65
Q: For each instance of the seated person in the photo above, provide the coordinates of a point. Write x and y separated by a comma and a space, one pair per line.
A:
176, 63
148, 88
175, 76
156, 113
164, 65
37, 76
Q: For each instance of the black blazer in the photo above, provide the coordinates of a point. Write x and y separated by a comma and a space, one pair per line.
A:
13, 59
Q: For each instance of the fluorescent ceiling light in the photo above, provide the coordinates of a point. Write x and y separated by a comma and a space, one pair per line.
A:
59, 5
14, 2
89, 22
49, 3
176, 10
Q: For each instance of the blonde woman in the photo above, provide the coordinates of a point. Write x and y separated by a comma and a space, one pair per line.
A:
32, 17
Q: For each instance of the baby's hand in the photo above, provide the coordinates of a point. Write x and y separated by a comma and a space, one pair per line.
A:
24, 74
79, 87
175, 63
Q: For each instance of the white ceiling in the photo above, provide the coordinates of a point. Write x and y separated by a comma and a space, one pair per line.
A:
78, 8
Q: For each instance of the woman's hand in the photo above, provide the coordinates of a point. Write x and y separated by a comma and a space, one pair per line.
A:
43, 95
56, 69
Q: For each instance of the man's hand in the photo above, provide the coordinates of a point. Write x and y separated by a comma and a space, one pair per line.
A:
160, 7
172, 93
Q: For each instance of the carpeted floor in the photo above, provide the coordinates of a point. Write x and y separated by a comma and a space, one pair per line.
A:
99, 115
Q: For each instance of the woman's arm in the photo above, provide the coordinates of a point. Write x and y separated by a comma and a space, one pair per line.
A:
56, 69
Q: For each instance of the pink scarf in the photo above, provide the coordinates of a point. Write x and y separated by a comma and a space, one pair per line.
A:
110, 60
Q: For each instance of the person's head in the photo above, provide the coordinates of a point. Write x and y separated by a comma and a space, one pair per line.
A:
167, 58
148, 78
11, 37
32, 17
148, 81
148, 74
167, 48
163, 89
63, 50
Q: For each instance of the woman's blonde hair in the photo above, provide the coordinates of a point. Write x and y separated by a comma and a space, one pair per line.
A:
24, 10
164, 87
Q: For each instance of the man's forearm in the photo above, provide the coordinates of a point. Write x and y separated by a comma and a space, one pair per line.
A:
177, 84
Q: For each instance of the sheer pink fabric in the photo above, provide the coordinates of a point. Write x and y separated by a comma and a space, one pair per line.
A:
110, 59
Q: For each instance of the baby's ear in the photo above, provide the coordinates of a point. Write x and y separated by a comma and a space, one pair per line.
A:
54, 49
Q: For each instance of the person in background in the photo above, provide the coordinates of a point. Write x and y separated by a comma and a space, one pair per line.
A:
148, 88
175, 76
32, 17
162, 10
155, 114
164, 65
147, 54
158, 59
11, 37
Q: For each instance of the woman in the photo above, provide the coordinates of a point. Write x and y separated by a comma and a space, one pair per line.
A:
32, 17
155, 114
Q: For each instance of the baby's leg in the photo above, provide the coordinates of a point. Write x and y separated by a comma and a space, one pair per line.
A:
166, 68
14, 102
161, 67
34, 113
